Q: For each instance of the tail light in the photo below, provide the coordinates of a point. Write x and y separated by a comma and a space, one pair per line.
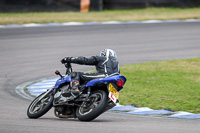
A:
120, 82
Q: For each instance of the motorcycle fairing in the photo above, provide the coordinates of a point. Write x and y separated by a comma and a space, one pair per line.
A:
62, 80
105, 80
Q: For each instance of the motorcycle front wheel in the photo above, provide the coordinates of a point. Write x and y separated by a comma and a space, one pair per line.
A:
40, 105
94, 107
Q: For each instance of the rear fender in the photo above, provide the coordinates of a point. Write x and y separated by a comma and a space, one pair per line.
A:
102, 87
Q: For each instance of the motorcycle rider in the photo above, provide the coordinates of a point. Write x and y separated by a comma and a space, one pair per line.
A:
106, 65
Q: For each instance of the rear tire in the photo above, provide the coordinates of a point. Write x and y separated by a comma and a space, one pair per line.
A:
39, 107
90, 110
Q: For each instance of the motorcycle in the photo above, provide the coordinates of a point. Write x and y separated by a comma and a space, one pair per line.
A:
95, 97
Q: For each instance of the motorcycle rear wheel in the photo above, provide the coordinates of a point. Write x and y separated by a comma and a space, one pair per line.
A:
39, 107
88, 111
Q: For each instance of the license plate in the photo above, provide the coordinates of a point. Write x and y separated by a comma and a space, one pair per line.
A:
113, 91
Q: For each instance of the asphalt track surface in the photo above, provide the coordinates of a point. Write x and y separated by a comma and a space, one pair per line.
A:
31, 53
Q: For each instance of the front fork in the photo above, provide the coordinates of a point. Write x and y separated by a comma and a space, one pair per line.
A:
46, 93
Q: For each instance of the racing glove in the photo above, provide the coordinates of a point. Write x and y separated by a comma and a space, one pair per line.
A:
66, 60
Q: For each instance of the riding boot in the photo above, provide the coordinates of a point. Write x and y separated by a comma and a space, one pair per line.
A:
73, 88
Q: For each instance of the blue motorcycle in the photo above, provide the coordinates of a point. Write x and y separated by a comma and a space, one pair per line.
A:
96, 97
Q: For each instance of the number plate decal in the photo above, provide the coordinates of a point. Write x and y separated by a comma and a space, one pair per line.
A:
112, 97
113, 94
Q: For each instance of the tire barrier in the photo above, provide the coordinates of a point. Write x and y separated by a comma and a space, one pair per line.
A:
130, 4
35, 88
50, 5
89, 5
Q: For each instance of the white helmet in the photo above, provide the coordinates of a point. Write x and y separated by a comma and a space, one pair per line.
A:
108, 53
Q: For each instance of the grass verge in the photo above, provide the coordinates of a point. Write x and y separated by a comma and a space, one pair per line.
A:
110, 15
172, 85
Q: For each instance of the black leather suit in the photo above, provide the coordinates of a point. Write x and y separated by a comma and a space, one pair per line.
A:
104, 67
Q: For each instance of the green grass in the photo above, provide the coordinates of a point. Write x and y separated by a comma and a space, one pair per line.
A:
173, 85
107, 15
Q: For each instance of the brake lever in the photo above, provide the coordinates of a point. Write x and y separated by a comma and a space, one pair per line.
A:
58, 73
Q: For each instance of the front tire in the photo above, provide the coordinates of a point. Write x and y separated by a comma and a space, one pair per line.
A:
92, 109
39, 107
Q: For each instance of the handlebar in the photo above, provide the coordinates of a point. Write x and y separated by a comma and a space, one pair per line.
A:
68, 71
69, 68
